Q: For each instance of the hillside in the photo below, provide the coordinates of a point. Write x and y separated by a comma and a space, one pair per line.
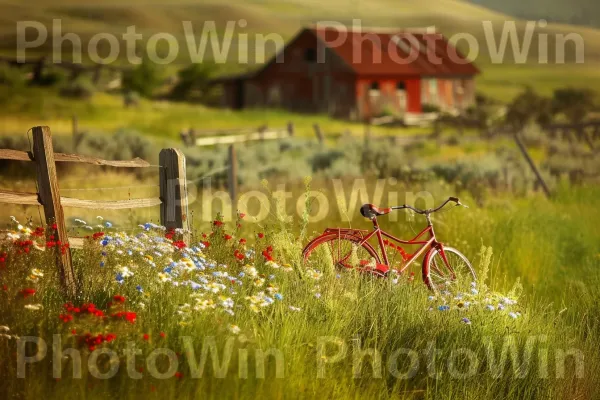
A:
576, 12
285, 17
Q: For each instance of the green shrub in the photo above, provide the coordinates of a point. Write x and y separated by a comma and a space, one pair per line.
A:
78, 89
194, 83
430, 108
145, 79
11, 76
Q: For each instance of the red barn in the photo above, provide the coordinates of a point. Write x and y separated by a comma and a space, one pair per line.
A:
359, 74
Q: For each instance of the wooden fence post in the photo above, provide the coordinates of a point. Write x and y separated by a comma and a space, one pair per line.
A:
75, 128
290, 128
49, 197
367, 138
318, 133
232, 177
532, 164
173, 191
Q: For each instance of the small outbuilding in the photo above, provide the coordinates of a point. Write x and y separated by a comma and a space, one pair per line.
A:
358, 75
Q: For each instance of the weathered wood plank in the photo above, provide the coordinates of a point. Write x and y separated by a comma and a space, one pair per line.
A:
17, 155
49, 196
10, 197
266, 135
135, 163
32, 199
7, 154
110, 205
173, 191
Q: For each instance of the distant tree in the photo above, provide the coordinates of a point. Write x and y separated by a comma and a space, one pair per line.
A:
145, 79
194, 82
573, 103
528, 107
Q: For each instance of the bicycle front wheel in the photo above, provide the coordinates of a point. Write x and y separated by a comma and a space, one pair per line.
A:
456, 275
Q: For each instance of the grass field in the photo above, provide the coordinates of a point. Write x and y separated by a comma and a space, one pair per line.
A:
314, 323
262, 323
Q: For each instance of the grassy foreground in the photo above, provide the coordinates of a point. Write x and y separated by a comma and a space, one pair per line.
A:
281, 330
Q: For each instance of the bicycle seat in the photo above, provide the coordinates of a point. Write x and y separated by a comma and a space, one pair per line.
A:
370, 211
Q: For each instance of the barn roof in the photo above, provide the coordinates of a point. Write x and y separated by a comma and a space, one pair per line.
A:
377, 52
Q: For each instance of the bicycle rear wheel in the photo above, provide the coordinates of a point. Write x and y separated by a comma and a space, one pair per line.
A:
456, 276
341, 251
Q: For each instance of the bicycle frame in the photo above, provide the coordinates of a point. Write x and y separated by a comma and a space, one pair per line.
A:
427, 244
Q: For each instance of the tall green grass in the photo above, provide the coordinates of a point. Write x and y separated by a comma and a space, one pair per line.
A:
551, 245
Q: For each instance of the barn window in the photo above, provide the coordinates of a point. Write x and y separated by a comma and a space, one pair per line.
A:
310, 55
374, 89
400, 86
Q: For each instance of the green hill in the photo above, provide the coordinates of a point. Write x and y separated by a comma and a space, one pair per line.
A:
576, 12
285, 17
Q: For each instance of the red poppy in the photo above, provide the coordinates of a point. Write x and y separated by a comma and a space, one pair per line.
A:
267, 253
65, 318
206, 244
146, 337
227, 237
217, 223
27, 292
178, 375
129, 316
163, 335
98, 235
242, 215
119, 299
242, 241
180, 244
261, 235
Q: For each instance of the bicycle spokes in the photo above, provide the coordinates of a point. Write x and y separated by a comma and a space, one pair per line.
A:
456, 273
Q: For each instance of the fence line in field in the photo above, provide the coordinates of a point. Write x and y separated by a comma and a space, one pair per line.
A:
172, 199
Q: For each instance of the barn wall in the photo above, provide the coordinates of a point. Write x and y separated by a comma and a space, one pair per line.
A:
388, 99
299, 85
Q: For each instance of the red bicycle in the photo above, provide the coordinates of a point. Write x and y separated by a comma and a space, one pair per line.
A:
350, 248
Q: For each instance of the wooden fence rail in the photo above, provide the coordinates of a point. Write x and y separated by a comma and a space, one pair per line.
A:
172, 201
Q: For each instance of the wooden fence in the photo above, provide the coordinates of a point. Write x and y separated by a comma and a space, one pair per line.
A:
193, 137
172, 201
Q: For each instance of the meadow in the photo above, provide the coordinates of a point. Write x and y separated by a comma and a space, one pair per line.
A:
235, 312
281, 329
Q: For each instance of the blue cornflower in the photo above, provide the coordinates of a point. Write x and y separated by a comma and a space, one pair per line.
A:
278, 296
443, 308
108, 225
102, 263
466, 321
139, 289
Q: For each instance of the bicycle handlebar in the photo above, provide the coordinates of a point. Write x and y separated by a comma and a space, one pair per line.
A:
430, 210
